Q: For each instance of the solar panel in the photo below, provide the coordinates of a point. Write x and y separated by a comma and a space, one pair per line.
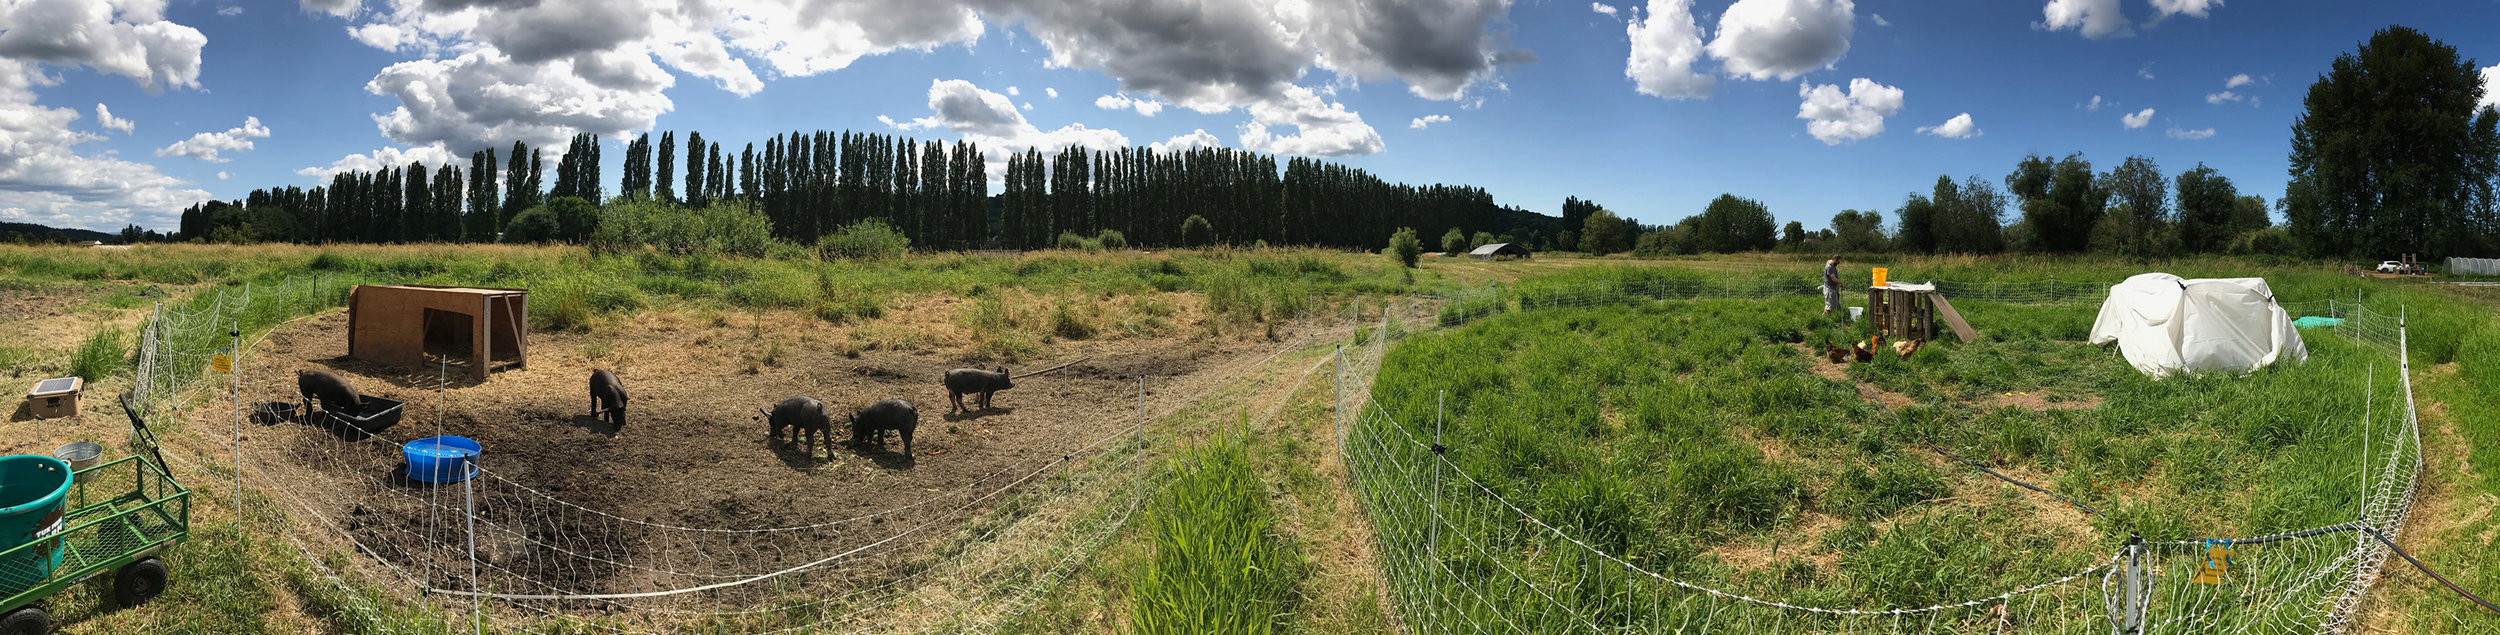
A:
49, 386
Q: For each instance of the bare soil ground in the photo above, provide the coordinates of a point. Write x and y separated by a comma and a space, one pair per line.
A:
692, 453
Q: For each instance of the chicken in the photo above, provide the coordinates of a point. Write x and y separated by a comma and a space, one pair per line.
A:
1838, 354
1905, 347
1861, 352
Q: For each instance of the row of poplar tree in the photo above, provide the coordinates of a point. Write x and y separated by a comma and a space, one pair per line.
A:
811, 184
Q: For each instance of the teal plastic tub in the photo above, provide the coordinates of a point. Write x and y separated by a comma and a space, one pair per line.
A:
31, 489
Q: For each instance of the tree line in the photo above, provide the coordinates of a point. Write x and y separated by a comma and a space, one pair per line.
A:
808, 185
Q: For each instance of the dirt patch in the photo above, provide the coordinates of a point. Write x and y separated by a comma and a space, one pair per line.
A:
1821, 365
1800, 542
2038, 401
586, 508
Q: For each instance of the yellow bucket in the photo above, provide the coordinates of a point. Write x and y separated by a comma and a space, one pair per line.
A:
1879, 276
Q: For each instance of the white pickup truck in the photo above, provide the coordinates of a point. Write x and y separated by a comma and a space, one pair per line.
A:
2391, 266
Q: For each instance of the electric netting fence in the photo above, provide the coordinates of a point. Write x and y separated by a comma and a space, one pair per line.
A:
1468, 304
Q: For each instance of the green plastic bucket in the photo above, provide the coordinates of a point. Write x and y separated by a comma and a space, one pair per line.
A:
31, 489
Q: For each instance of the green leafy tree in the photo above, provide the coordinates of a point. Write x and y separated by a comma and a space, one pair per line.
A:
1734, 224
2393, 154
2137, 186
1480, 239
1792, 236
1405, 248
1604, 233
1454, 242
2059, 201
1854, 231
2207, 201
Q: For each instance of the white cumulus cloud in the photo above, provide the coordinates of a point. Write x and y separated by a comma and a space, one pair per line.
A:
1321, 128
1191, 141
2191, 135
2491, 87
1014, 92
2138, 119
1143, 105
2197, 8
2095, 104
1054, 92
1426, 121
129, 38
992, 121
1959, 127
2237, 81
387, 156
206, 146
1879, 19
1838, 118
104, 118
1664, 46
2223, 97
45, 179
1603, 9
221, 175
1763, 39
229, 12
2096, 19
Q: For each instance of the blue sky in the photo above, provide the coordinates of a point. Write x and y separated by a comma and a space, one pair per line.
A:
1541, 99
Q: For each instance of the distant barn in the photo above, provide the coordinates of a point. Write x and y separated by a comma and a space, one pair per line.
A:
1499, 251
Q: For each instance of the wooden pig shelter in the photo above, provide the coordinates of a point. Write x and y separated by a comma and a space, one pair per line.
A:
402, 324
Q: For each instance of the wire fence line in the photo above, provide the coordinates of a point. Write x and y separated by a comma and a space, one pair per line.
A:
1458, 556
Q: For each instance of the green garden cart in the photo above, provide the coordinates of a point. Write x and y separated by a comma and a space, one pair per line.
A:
116, 518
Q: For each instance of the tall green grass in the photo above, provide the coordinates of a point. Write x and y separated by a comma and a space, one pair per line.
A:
1672, 433
1219, 565
103, 354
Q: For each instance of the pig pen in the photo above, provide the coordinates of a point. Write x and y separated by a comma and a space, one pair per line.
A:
588, 519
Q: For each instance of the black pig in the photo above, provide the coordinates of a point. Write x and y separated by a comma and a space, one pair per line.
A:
973, 380
891, 414
333, 392
608, 394
801, 415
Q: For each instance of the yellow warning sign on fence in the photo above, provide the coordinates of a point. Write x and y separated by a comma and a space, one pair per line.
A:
2217, 564
221, 363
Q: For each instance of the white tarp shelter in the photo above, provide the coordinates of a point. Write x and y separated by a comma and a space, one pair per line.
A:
2164, 324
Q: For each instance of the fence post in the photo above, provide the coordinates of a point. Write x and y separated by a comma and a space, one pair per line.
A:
234, 368
1432, 539
1340, 402
1141, 439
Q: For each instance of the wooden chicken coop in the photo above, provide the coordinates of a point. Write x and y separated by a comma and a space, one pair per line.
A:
1909, 312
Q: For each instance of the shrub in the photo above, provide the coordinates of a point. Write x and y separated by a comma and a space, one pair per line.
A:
1197, 232
533, 225
1112, 239
1073, 241
870, 239
1453, 242
717, 228
1481, 239
1404, 247
1070, 322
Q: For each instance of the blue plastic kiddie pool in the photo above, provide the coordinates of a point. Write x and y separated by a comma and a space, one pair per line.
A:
444, 459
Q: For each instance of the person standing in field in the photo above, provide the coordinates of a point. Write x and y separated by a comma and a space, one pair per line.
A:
1831, 285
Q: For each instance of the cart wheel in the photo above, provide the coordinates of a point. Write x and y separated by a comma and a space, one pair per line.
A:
139, 582
26, 621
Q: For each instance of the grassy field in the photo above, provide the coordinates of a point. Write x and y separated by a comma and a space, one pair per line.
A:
1693, 436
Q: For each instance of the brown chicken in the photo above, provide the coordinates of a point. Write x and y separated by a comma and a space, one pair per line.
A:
1838, 354
1861, 352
